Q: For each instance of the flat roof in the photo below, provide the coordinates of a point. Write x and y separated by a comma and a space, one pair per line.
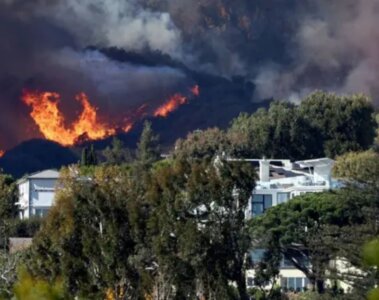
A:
45, 174
315, 162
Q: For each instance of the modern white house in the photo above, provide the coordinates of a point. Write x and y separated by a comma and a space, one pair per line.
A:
279, 181
36, 193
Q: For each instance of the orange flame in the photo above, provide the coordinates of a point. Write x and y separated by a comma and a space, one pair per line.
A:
51, 122
172, 104
2, 152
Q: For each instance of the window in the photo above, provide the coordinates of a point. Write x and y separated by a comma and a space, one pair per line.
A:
250, 281
286, 263
257, 255
283, 197
260, 203
41, 212
299, 284
294, 283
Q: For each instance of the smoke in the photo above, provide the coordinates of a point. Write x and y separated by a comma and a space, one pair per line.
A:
336, 48
43, 50
287, 49
117, 23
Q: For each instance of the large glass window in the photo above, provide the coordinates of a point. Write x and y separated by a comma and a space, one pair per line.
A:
260, 203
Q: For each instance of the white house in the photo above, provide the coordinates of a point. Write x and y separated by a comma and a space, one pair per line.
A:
36, 193
279, 181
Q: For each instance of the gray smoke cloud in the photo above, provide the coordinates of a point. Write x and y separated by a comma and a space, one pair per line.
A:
43, 49
336, 48
120, 23
286, 48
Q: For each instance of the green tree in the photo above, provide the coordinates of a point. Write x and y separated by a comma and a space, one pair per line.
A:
86, 238
8, 272
202, 144
117, 154
345, 123
148, 146
84, 161
89, 156
313, 229
279, 132
358, 168
30, 288
198, 227
371, 255
323, 124
8, 208
8, 197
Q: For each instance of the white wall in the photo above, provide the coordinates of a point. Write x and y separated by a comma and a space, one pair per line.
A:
42, 192
23, 190
36, 194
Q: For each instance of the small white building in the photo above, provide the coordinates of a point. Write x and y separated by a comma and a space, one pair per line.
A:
36, 193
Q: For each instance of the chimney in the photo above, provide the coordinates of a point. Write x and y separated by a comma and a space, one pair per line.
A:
264, 170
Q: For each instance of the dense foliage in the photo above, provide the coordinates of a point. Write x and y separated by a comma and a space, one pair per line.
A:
101, 235
323, 124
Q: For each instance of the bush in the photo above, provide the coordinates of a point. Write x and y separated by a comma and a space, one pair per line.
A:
24, 228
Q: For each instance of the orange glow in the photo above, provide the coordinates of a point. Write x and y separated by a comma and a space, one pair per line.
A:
2, 152
51, 122
172, 104
195, 90
127, 127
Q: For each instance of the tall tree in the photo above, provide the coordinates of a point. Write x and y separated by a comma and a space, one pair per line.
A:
117, 154
323, 124
8, 272
84, 161
92, 156
8, 207
8, 197
148, 146
314, 229
359, 168
198, 227
202, 144
346, 123
89, 157
86, 239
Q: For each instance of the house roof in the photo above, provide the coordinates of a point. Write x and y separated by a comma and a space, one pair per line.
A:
45, 174
315, 162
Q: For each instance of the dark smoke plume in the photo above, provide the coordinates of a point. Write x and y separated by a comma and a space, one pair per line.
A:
285, 48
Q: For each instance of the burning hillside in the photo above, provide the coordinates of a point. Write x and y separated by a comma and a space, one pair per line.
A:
239, 52
52, 123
